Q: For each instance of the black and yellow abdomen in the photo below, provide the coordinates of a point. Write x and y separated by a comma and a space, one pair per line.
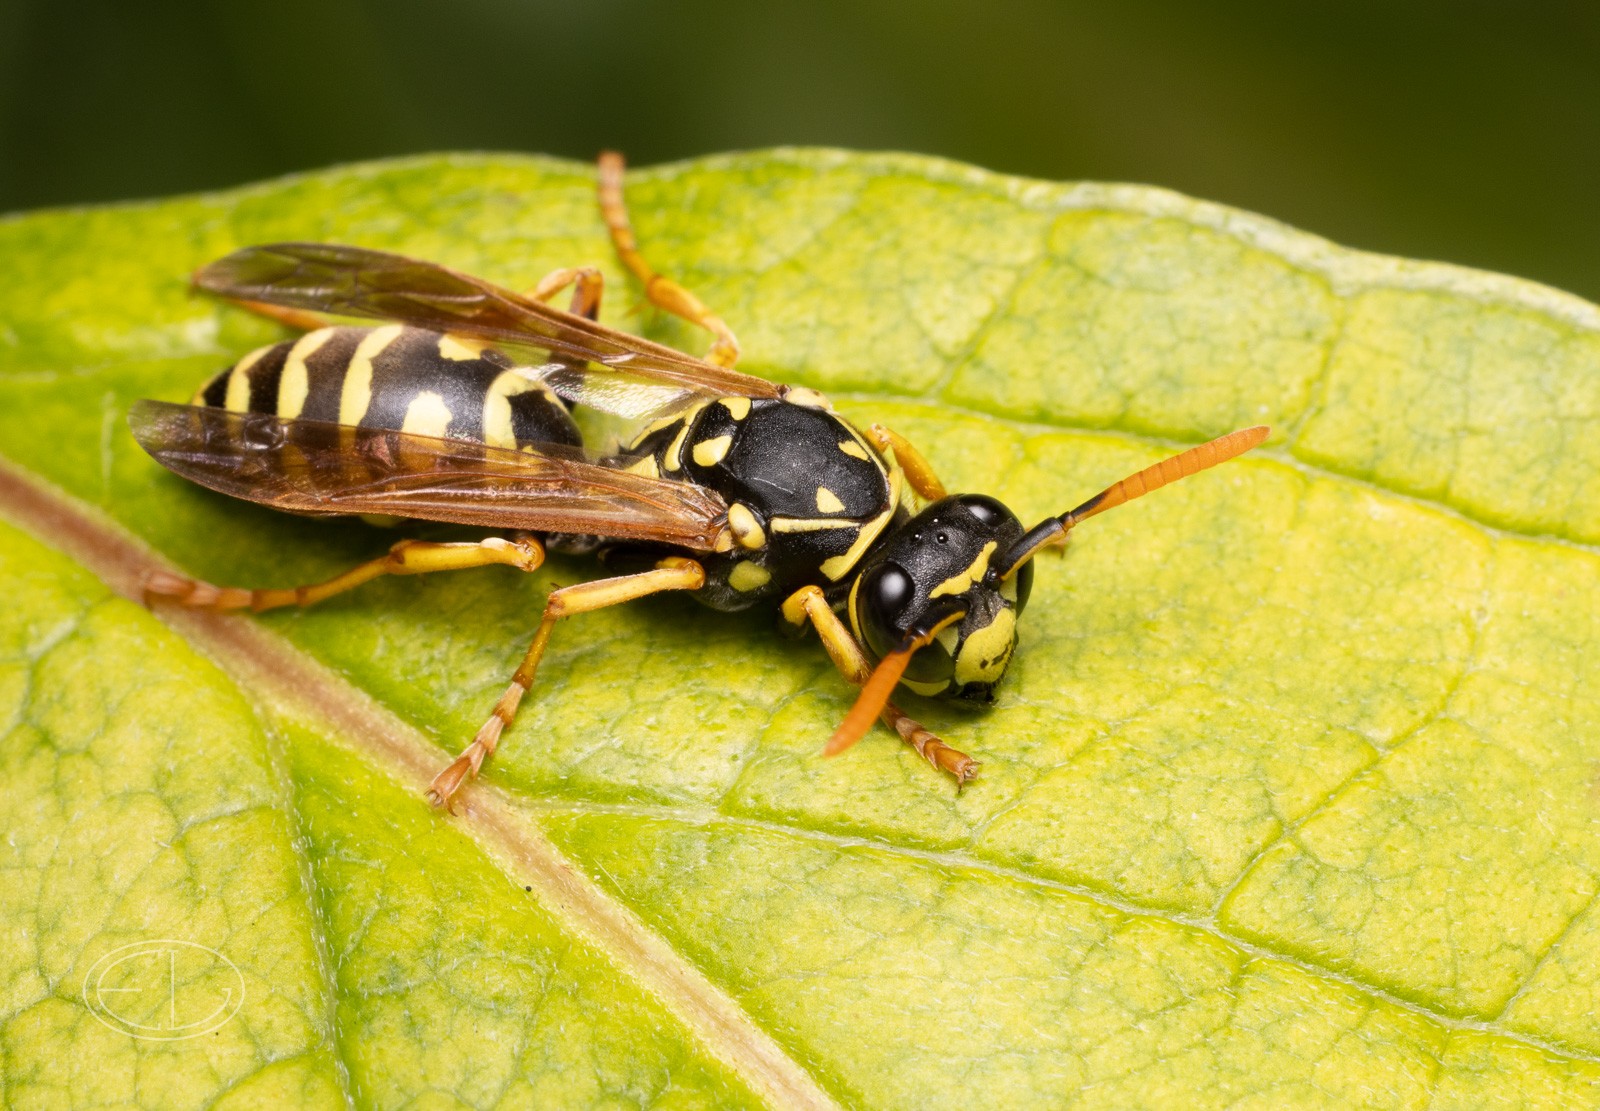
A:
396, 377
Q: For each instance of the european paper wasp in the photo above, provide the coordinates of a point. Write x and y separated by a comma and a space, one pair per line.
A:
738, 490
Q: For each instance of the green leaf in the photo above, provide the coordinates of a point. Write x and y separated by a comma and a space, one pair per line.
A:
1291, 798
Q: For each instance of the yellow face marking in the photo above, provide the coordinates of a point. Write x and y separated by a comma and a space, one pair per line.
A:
356, 394
746, 529
708, 453
960, 584
645, 466
985, 653
738, 407
237, 399
459, 349
747, 576
927, 689
854, 450
837, 567
296, 380
828, 501
427, 415
497, 427
810, 398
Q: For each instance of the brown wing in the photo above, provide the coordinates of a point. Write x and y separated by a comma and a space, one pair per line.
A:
353, 281
321, 467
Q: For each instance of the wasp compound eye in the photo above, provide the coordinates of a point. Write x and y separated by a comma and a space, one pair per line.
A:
885, 593
886, 607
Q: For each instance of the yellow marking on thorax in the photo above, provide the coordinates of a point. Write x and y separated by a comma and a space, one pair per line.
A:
985, 652
747, 576
854, 450
296, 381
651, 429
746, 528
806, 524
672, 459
459, 349
427, 415
646, 466
828, 501
237, 399
497, 427
811, 399
960, 584
356, 394
837, 567
738, 407
708, 453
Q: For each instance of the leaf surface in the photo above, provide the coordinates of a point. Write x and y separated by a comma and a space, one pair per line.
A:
1290, 798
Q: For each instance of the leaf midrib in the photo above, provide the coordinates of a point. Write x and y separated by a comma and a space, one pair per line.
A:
296, 687
260, 659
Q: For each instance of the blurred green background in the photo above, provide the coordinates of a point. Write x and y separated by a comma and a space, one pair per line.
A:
1466, 131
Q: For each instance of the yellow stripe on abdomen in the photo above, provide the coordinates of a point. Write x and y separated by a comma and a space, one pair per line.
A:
427, 415
237, 399
355, 396
296, 381
498, 430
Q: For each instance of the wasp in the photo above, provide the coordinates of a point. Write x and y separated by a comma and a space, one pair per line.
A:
737, 490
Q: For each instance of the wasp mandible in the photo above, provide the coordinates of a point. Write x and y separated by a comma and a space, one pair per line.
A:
738, 490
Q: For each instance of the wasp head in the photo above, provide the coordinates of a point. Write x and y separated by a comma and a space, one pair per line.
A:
944, 566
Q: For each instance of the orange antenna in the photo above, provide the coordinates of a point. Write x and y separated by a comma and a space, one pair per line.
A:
880, 684
1182, 465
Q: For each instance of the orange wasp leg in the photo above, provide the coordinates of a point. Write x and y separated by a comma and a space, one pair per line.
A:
409, 557
673, 573
810, 604
587, 285
662, 292
918, 471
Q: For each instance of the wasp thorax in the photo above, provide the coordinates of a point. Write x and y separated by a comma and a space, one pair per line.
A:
939, 563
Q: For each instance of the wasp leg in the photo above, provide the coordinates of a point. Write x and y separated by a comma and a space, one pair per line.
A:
587, 285
673, 573
918, 471
662, 292
409, 557
809, 603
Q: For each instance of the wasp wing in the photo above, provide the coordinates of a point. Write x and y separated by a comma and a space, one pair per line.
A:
354, 281
320, 467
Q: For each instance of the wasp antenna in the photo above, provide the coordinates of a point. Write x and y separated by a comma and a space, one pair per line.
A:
880, 684
1136, 485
